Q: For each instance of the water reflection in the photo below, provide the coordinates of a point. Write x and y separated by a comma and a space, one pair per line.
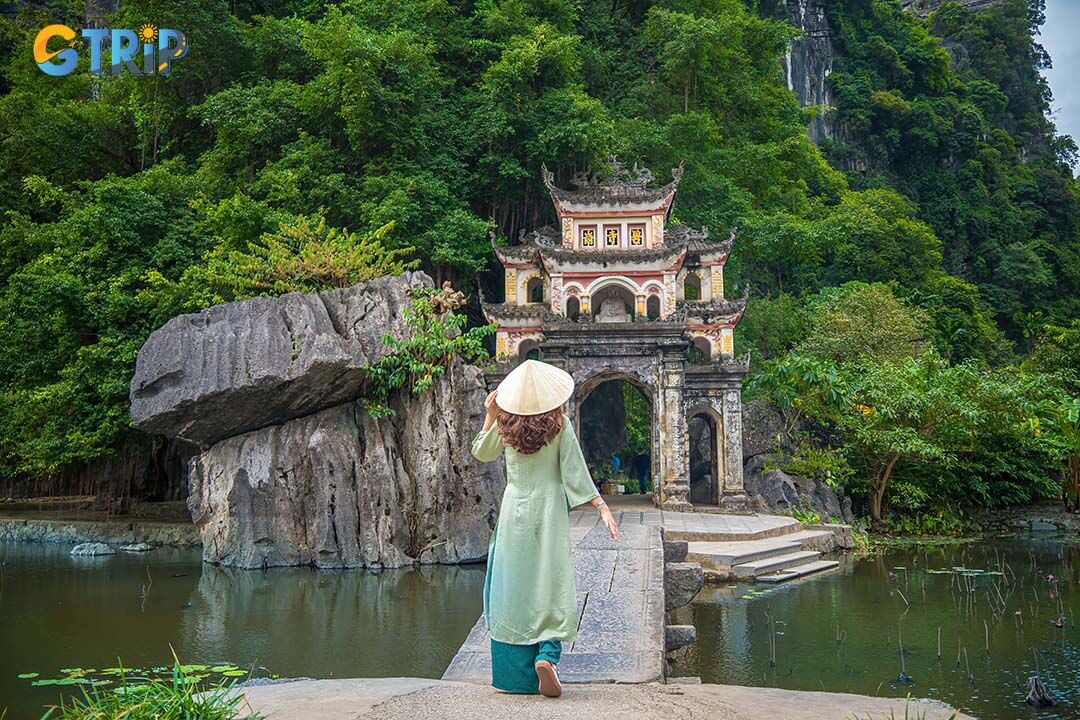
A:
62, 612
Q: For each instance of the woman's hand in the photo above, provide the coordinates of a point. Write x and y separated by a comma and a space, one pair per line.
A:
491, 408
609, 521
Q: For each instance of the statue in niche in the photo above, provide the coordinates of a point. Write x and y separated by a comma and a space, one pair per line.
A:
613, 310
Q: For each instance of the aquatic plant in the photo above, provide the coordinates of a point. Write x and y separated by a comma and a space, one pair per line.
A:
179, 697
179, 692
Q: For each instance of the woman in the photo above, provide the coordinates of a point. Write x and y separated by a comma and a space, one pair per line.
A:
530, 603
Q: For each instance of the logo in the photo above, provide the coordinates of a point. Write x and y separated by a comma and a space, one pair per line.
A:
157, 47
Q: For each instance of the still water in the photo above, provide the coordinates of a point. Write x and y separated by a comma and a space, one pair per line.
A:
843, 631
58, 613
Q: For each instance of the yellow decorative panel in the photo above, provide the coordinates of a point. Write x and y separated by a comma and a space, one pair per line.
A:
728, 347
640, 304
658, 230
568, 232
500, 346
717, 282
511, 286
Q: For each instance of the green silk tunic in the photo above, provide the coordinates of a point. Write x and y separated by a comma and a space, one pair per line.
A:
529, 592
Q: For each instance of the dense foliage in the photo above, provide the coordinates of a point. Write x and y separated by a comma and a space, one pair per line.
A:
302, 144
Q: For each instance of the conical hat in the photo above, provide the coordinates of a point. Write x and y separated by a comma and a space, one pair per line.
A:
534, 387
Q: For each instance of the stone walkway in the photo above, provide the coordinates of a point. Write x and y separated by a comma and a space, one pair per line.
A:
687, 526
620, 608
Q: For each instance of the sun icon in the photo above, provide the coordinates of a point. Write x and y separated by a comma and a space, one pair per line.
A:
147, 33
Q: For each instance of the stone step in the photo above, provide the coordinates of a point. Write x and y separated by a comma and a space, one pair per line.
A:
730, 528
757, 568
722, 556
798, 571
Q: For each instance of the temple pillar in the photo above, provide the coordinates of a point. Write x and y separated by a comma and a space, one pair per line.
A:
732, 493
673, 485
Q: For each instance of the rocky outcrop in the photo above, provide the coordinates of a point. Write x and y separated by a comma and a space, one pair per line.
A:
92, 548
763, 430
808, 64
293, 470
778, 491
766, 446
241, 366
341, 489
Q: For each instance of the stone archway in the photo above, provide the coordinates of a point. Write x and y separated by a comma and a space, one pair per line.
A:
585, 391
704, 454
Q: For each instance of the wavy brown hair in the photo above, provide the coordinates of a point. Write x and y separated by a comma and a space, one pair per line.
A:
528, 433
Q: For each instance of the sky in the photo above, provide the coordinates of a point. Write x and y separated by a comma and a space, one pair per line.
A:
1059, 37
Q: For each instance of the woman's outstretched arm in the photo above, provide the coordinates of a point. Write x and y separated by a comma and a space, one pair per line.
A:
577, 481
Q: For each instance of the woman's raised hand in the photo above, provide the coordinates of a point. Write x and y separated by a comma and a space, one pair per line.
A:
492, 409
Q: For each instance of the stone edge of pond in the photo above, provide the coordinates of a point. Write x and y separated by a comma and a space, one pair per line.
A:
349, 698
111, 532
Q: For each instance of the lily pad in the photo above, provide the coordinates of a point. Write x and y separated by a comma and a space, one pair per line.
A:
235, 673
193, 668
27, 676
223, 668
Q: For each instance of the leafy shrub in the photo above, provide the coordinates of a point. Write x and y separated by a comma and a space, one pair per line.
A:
416, 361
823, 464
307, 256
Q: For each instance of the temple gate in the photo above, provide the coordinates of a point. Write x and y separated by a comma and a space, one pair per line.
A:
614, 293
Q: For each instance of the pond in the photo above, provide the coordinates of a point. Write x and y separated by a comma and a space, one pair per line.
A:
59, 613
843, 631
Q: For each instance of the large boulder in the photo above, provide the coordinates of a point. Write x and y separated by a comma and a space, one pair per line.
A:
762, 429
780, 492
342, 489
241, 366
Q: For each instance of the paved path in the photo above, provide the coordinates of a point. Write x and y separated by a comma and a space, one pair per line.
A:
422, 699
620, 609
620, 591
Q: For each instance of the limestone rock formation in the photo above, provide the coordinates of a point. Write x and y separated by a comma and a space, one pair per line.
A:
292, 470
341, 489
245, 365
809, 62
780, 492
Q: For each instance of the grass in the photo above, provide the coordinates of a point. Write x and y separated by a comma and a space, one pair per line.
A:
177, 698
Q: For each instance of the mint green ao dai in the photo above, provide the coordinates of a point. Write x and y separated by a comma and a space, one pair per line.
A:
529, 593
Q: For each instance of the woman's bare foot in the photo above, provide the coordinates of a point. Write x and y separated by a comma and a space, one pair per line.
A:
549, 679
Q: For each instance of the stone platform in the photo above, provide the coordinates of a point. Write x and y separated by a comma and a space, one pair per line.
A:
621, 611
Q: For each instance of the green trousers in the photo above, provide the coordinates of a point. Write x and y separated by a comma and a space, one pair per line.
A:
512, 665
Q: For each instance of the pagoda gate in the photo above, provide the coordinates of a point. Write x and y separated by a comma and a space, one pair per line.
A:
615, 293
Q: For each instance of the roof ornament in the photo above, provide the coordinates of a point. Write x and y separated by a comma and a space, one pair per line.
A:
620, 184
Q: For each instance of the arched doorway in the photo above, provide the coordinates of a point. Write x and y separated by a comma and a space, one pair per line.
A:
700, 351
573, 308
534, 290
703, 457
652, 307
615, 423
528, 350
692, 287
